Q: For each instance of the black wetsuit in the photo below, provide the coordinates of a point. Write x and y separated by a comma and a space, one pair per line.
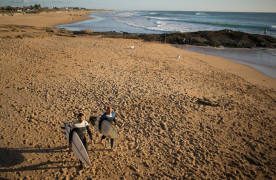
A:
80, 128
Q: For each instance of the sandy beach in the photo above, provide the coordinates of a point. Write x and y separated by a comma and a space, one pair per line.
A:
45, 19
193, 117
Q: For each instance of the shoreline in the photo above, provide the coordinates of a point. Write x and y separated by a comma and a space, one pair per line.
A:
85, 17
246, 72
249, 57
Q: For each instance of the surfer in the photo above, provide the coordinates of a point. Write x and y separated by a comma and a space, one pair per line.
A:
80, 127
265, 31
109, 116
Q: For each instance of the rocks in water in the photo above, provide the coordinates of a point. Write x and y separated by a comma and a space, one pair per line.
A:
225, 38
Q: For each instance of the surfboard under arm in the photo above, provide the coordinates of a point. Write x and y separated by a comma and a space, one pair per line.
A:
77, 145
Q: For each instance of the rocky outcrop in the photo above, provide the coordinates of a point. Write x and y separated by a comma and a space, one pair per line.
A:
226, 38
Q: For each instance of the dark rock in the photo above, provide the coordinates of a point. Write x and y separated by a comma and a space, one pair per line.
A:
226, 38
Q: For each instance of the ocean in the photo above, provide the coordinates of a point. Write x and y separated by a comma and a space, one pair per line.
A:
177, 21
158, 22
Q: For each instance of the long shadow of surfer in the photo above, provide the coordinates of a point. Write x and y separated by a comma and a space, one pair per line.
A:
39, 150
12, 157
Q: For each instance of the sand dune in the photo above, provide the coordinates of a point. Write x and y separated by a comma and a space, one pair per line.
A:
186, 118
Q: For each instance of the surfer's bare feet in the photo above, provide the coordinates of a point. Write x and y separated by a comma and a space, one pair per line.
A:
113, 150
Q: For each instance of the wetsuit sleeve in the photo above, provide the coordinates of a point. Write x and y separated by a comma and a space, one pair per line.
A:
89, 132
114, 120
102, 117
101, 120
71, 135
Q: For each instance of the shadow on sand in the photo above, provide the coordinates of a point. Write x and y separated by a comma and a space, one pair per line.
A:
12, 157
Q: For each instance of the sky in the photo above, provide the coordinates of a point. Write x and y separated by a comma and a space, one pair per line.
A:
181, 5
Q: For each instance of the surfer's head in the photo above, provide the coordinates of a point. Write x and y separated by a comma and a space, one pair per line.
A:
108, 110
80, 117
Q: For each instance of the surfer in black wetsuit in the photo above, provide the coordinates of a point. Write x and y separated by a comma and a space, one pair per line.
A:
109, 116
80, 127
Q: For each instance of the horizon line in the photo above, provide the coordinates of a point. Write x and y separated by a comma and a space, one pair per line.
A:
149, 9
187, 10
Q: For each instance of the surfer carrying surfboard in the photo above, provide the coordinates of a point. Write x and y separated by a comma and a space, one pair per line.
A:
80, 127
110, 117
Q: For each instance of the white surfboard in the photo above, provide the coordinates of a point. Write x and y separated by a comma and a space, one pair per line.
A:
77, 146
107, 128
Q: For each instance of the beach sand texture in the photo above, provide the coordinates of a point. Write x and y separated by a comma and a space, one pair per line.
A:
187, 118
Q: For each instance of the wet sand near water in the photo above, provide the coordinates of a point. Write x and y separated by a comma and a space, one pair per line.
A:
260, 59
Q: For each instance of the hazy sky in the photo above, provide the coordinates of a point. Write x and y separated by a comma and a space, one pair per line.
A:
183, 5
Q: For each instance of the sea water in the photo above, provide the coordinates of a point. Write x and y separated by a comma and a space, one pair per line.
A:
261, 59
158, 22
177, 21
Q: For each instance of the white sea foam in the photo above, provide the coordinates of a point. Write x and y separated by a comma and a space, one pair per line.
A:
165, 18
160, 23
126, 14
200, 13
272, 28
125, 22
